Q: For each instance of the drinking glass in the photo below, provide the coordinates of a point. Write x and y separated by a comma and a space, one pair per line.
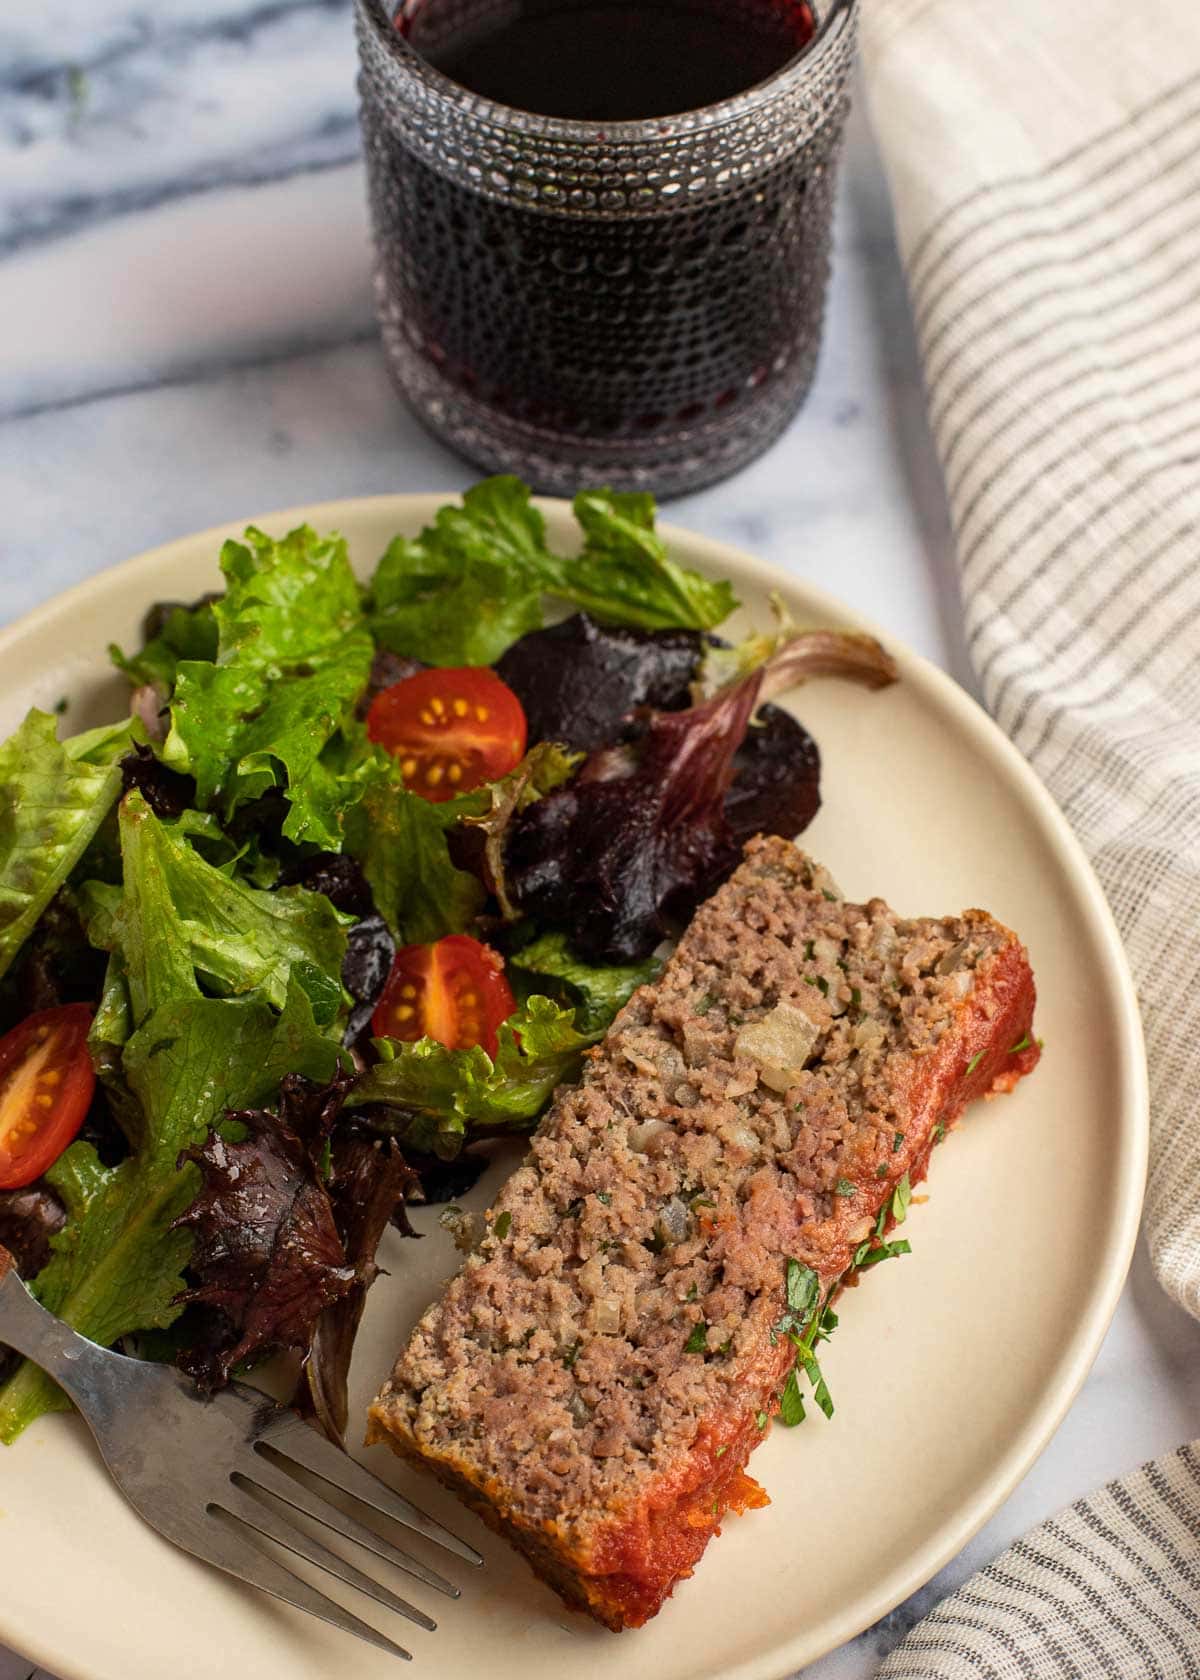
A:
635, 303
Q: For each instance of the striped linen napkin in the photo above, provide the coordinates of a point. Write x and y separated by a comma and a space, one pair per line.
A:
1044, 160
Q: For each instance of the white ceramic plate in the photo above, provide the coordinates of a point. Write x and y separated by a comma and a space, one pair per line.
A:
952, 1367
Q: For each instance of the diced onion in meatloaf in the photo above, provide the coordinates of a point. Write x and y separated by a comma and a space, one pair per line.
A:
594, 1380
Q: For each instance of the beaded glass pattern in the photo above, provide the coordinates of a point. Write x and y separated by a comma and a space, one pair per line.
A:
636, 304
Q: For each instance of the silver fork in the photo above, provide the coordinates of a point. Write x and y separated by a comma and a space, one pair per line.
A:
214, 1475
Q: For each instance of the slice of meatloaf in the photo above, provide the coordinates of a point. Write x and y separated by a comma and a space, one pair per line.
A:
595, 1378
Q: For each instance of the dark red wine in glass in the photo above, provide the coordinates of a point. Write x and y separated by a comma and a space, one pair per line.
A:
603, 229
618, 62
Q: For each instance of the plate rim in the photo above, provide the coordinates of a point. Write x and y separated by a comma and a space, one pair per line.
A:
1130, 1168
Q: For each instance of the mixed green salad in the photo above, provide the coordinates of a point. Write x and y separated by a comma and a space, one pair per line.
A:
350, 891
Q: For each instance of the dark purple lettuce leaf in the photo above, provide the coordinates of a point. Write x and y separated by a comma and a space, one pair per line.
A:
370, 947
579, 681
776, 778
267, 1250
56, 965
368, 1184
387, 669
28, 1220
168, 793
337, 875
286, 1226
445, 1181
639, 837
624, 853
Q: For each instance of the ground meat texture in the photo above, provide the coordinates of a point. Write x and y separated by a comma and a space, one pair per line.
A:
591, 1381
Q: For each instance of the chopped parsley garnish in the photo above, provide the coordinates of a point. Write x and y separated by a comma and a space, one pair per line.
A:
1023, 1044
869, 1254
901, 1197
822, 985
843, 1187
806, 1322
692, 1293
721, 1450
939, 1131
570, 1355
855, 997
830, 898
697, 1342
897, 1141
503, 1225
881, 1170
760, 1419
974, 1062
701, 1201
574, 1209
705, 1004
799, 1107
809, 953
605, 1197
791, 1402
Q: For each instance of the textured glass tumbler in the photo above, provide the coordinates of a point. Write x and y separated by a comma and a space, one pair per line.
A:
637, 304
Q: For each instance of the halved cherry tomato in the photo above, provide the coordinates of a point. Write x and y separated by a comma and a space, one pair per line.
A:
452, 730
46, 1085
454, 991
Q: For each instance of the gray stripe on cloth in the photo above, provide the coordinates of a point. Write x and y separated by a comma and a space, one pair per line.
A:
1084, 1595
928, 245
1032, 401
923, 307
1029, 445
1059, 317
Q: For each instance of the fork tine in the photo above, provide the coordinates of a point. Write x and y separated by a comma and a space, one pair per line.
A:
245, 1504
265, 1474
235, 1553
293, 1439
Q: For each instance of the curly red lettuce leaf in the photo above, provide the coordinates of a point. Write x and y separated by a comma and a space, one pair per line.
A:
285, 1231
628, 849
578, 682
266, 1248
369, 1183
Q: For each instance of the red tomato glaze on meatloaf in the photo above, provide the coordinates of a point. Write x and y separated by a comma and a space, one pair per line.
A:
594, 1381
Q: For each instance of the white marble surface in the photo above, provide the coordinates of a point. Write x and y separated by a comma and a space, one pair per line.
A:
188, 339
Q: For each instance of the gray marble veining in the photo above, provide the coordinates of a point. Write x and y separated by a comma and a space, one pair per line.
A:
165, 109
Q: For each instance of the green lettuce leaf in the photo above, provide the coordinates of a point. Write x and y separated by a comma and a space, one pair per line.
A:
471, 584
180, 1058
293, 657
547, 965
117, 1265
183, 633
400, 841
626, 576
474, 582
445, 1093
237, 938
53, 797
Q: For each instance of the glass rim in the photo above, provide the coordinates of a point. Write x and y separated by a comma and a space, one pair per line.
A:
640, 130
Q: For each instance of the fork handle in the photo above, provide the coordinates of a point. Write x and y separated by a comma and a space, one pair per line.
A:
78, 1366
